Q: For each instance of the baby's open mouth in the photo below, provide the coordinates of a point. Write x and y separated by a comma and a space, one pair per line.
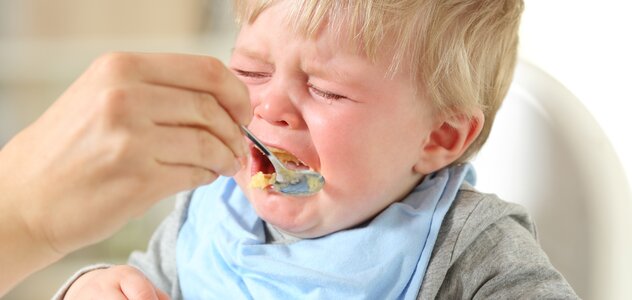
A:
263, 173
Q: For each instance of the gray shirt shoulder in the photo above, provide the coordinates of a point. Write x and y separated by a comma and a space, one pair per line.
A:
487, 249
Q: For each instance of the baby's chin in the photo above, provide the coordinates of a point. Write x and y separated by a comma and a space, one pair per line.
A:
296, 216
284, 213
297, 231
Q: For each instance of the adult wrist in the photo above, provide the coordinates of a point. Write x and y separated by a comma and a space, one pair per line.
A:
22, 251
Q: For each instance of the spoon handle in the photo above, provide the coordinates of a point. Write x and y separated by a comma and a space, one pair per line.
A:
256, 141
282, 174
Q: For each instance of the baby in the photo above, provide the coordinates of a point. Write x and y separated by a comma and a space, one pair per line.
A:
387, 99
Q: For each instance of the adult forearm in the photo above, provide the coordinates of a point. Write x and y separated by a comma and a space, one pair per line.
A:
20, 253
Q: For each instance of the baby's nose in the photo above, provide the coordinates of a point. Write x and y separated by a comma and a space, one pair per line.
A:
276, 107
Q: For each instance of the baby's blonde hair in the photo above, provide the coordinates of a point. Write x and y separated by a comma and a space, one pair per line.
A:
462, 53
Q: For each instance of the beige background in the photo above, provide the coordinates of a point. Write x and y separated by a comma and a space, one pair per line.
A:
79, 18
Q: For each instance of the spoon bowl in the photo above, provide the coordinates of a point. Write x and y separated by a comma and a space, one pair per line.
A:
287, 181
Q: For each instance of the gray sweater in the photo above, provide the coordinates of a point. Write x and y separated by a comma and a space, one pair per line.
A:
486, 249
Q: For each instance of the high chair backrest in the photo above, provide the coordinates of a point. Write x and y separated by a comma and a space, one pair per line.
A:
547, 153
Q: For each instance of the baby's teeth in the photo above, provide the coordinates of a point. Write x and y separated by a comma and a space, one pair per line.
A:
295, 166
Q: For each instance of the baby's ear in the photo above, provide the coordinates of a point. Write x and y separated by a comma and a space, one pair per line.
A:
448, 141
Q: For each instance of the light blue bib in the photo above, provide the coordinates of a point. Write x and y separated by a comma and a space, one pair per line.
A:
222, 251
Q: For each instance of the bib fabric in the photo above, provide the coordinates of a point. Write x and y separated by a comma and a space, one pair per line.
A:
222, 251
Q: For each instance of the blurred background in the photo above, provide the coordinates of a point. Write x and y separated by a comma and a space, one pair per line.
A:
46, 45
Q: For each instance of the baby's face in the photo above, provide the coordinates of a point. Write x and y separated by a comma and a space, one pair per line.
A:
337, 112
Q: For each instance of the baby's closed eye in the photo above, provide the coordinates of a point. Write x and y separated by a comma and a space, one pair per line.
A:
328, 96
251, 74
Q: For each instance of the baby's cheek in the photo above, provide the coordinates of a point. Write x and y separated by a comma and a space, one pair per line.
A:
345, 159
349, 176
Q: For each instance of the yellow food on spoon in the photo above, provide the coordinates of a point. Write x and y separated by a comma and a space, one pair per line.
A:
313, 182
285, 156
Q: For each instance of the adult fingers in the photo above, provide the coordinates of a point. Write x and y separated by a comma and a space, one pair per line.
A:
175, 178
182, 145
193, 72
171, 106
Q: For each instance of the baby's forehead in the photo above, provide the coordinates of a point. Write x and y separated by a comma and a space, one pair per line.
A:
364, 27
344, 38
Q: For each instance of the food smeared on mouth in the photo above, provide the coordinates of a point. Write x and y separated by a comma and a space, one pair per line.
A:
264, 174
262, 181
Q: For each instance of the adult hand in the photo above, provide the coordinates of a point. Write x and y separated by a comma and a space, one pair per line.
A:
133, 129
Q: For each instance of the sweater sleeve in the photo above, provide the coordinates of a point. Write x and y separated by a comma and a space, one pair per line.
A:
158, 262
488, 250
61, 293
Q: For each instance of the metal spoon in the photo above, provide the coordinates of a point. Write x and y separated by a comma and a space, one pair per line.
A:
287, 181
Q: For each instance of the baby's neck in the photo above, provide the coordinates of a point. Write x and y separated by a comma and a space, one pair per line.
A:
276, 236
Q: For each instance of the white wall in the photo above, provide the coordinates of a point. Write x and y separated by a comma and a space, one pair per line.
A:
587, 46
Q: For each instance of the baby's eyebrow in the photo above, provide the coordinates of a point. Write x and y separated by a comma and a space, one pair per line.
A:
336, 73
250, 53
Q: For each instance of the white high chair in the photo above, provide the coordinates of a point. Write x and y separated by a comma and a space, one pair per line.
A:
547, 153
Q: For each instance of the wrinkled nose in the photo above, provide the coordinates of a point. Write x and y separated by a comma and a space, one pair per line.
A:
276, 106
